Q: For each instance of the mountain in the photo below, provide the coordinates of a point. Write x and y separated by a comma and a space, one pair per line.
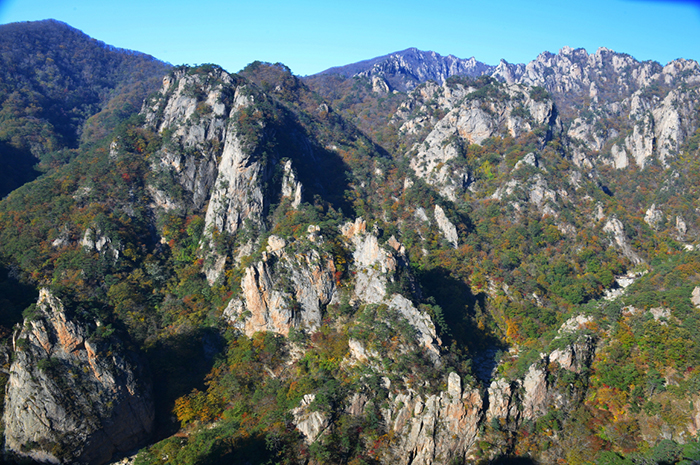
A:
258, 267
49, 92
404, 70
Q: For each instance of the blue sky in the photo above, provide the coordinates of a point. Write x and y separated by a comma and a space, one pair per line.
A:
310, 35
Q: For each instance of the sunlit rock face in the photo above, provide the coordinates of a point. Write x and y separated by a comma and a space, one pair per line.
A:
73, 397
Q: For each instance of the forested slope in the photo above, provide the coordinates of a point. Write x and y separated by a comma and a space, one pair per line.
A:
53, 79
250, 270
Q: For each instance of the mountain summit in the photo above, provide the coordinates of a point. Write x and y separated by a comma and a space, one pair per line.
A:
411, 260
408, 68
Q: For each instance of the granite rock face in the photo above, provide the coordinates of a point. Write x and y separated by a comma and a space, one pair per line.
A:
636, 112
470, 118
73, 397
575, 71
287, 289
207, 154
632, 112
215, 158
446, 427
295, 281
310, 422
617, 111
554, 382
377, 268
448, 229
191, 109
437, 429
407, 69
614, 227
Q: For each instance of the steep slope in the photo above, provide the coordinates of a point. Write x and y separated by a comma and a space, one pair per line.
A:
74, 394
607, 174
161, 201
54, 79
369, 92
293, 282
485, 284
618, 110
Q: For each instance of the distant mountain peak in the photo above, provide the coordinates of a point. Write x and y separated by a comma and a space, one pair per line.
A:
406, 69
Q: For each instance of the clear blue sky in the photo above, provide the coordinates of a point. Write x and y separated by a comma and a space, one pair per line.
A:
310, 35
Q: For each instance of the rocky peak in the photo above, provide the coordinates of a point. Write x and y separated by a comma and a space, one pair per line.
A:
288, 288
191, 110
621, 109
439, 428
407, 69
232, 148
471, 120
376, 267
73, 395
574, 70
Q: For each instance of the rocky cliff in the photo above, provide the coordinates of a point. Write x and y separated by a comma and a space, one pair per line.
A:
616, 110
208, 155
455, 424
473, 114
621, 110
289, 288
513, 271
235, 151
74, 394
439, 428
294, 282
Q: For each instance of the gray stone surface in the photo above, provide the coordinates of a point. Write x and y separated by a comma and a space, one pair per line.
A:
69, 399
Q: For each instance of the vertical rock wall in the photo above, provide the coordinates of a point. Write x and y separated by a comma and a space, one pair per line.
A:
72, 397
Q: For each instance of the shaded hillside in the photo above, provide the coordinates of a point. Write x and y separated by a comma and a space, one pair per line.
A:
53, 79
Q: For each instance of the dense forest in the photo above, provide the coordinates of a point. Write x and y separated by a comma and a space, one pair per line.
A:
60, 89
205, 267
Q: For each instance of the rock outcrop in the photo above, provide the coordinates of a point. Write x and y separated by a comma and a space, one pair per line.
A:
472, 118
614, 227
215, 128
287, 289
191, 109
547, 384
576, 72
407, 69
208, 154
637, 111
447, 228
375, 269
93, 239
446, 427
310, 422
73, 395
653, 217
695, 297
440, 428
374, 264
291, 188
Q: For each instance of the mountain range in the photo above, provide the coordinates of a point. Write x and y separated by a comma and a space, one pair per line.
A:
413, 259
